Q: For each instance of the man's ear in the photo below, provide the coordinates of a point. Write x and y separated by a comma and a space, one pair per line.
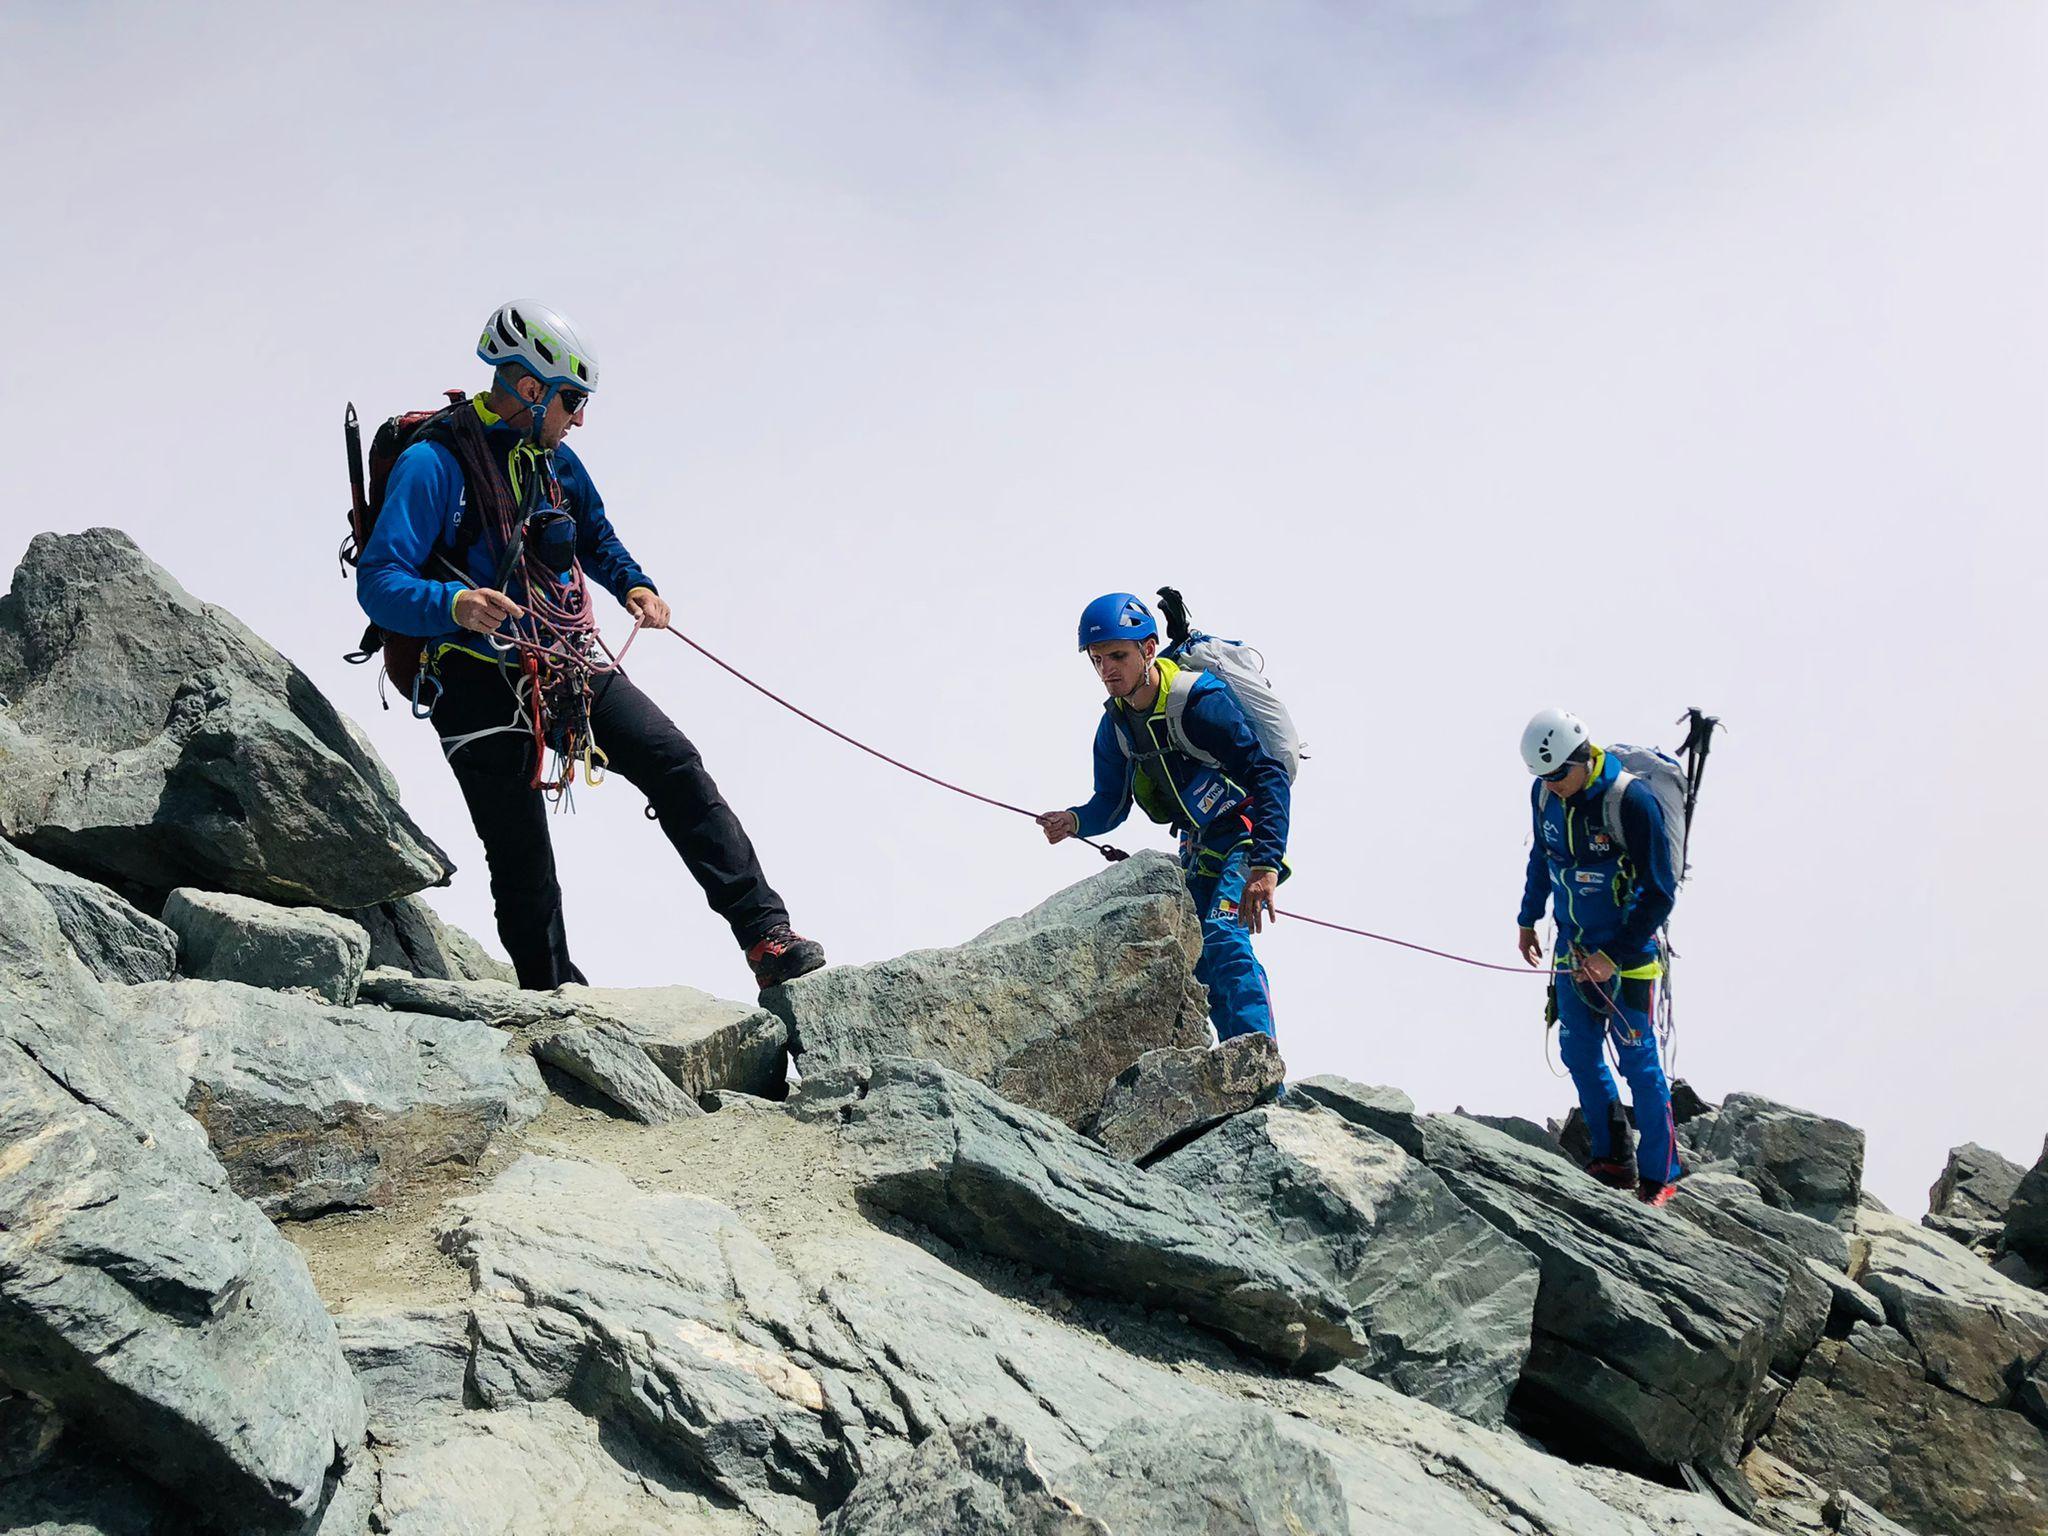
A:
1151, 648
530, 389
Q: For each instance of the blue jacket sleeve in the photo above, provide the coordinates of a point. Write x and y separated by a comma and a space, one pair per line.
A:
1111, 802
1536, 879
604, 557
1215, 723
1649, 849
392, 584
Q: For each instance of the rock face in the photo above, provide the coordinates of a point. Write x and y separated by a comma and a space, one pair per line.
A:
1864, 1413
408, 935
662, 1311
1388, 1111
2026, 1218
154, 741
1976, 1184
979, 1480
1801, 1162
1168, 1097
1976, 1330
1046, 1008
1441, 1303
311, 1108
116, 942
237, 938
1811, 1255
950, 1154
1646, 1326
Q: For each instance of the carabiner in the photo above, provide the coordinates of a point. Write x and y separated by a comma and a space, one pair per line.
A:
419, 678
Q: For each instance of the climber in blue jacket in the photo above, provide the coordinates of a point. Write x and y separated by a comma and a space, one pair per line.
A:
1174, 742
1610, 900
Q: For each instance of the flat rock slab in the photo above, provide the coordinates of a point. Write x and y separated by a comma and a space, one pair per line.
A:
159, 1313
1046, 1008
1864, 1416
1442, 1303
412, 1362
116, 942
238, 938
154, 741
661, 1310
1644, 1325
605, 1057
1388, 1111
1811, 1255
311, 1108
1170, 1096
1976, 1330
1799, 1160
954, 1156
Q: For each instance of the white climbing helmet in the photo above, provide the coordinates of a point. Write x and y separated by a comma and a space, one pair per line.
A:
543, 341
1551, 737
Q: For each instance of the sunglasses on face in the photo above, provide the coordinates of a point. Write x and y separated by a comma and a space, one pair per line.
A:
573, 400
1559, 776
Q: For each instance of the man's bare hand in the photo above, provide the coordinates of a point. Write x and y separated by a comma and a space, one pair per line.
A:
1530, 946
1059, 825
649, 607
1255, 907
1596, 968
482, 610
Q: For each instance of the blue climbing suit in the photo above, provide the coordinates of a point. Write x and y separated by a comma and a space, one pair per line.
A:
1610, 901
1231, 816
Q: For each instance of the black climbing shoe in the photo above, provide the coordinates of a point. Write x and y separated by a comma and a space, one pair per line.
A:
1615, 1175
784, 955
1650, 1192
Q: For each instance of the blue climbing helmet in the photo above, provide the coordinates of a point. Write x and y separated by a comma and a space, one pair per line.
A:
1116, 616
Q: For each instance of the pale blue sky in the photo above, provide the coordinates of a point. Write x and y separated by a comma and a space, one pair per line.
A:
1467, 357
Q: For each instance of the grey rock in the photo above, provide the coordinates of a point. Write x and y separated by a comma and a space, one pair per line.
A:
2031, 1395
408, 935
1526, 1131
1170, 1096
412, 1362
978, 1480
539, 1469
157, 1311
1388, 1111
2026, 1218
496, 1003
1800, 1161
1792, 1504
1976, 1184
237, 938
953, 1155
1810, 1255
1441, 1303
154, 741
1686, 1103
1046, 1008
1864, 1417
116, 942
1655, 1331
1974, 1328
312, 1108
1980, 1237
605, 1057
660, 1310
828, 1095
724, 1100
1223, 1473
80, 1492
29, 1431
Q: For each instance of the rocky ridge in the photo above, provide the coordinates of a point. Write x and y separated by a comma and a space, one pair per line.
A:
309, 1222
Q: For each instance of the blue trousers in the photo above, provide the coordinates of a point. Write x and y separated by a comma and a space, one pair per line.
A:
1239, 999
1584, 1025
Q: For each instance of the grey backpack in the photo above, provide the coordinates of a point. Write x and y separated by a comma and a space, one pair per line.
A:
1667, 779
1242, 670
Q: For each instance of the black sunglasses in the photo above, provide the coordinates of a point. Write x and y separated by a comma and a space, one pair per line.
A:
573, 400
1558, 777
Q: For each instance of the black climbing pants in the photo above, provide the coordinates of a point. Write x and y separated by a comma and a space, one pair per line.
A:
495, 773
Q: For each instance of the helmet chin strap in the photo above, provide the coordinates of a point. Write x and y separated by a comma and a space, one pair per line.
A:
537, 410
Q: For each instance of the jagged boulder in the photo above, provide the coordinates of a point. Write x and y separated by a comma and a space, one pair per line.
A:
1168, 1097
1790, 1503
1812, 1255
605, 1057
659, 1310
311, 1108
408, 935
1046, 1008
116, 942
954, 1156
153, 741
2026, 1217
978, 1480
1800, 1161
1388, 1111
237, 938
1441, 1303
1655, 1332
1975, 1329
1976, 1184
1863, 1415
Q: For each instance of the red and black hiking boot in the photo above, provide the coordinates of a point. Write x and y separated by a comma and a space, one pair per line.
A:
783, 955
1650, 1192
1613, 1173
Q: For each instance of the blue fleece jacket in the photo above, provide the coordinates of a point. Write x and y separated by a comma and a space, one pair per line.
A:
1257, 782
1575, 865
405, 591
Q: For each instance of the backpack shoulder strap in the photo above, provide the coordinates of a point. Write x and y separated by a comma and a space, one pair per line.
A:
1177, 698
1610, 808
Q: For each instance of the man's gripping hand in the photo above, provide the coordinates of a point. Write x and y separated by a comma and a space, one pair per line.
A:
649, 607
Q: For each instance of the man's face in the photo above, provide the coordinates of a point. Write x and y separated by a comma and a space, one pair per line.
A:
560, 418
1574, 780
1122, 664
